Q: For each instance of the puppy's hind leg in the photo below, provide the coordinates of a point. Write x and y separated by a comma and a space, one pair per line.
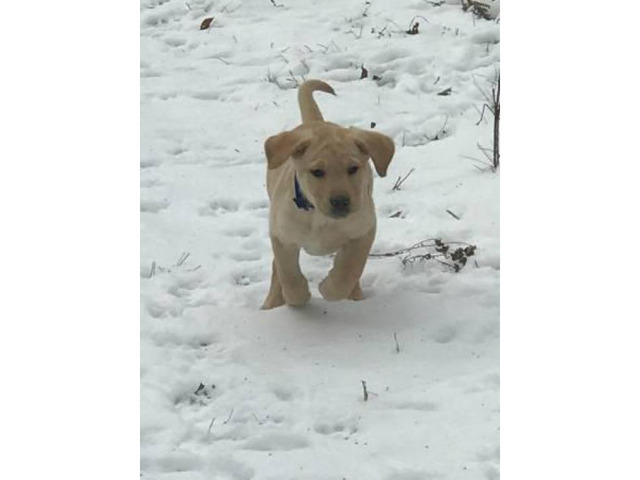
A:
274, 297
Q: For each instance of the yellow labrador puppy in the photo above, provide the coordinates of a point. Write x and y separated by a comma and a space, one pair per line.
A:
320, 187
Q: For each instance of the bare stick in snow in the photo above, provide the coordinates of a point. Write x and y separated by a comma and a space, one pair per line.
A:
364, 389
492, 103
229, 418
400, 181
182, 259
395, 337
453, 214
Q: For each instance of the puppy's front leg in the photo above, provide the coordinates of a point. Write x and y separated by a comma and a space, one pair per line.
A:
274, 297
295, 288
343, 280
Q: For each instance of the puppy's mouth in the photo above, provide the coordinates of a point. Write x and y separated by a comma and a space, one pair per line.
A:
339, 213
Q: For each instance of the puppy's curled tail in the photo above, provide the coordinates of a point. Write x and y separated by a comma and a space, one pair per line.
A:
309, 110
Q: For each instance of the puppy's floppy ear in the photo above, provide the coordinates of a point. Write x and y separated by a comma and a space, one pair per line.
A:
279, 148
377, 146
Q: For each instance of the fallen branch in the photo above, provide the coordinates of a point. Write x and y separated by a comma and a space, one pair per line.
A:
428, 242
453, 260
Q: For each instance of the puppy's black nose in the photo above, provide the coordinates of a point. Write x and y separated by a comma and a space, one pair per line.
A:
340, 205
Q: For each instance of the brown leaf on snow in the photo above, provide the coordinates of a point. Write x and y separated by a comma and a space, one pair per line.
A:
206, 23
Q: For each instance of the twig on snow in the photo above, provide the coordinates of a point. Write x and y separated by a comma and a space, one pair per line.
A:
229, 417
453, 214
458, 256
358, 35
492, 103
417, 16
182, 259
400, 181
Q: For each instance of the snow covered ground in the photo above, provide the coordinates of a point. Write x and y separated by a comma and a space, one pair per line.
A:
232, 392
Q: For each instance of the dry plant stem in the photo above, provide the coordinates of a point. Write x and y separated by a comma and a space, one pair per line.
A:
453, 214
493, 105
429, 242
399, 182
364, 389
496, 126
182, 259
417, 16
458, 257
229, 417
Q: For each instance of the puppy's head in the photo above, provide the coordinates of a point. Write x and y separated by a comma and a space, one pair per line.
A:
331, 163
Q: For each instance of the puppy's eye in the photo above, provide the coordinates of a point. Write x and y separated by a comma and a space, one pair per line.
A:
352, 170
317, 173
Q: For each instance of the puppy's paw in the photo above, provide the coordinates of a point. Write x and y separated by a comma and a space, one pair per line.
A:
272, 302
356, 293
332, 292
296, 295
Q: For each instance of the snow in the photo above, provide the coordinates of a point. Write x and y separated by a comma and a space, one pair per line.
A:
232, 392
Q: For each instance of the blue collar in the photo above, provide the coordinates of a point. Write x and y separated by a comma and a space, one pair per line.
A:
300, 200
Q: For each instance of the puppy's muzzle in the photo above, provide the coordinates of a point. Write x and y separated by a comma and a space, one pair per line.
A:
340, 206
